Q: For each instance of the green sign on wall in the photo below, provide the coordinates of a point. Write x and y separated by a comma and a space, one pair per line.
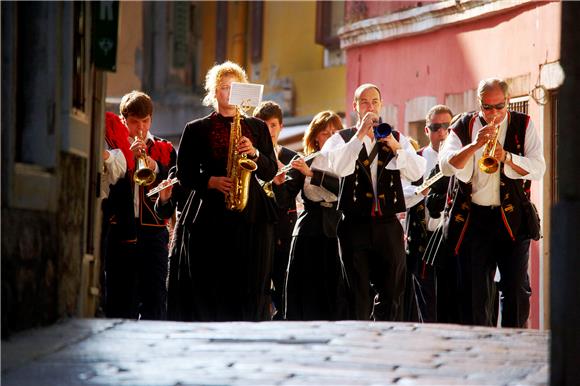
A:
105, 22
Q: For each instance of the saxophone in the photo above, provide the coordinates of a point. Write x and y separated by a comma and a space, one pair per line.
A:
239, 169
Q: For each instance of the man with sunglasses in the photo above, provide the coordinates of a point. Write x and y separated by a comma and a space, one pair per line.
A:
421, 221
486, 226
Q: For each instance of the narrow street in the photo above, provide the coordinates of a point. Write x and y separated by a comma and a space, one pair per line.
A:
122, 352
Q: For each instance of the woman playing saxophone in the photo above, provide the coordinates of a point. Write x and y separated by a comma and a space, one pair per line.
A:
224, 252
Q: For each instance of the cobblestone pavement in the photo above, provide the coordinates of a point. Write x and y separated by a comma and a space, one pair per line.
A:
122, 352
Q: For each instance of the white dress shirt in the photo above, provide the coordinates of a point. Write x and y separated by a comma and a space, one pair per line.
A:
115, 168
340, 157
485, 187
318, 193
412, 199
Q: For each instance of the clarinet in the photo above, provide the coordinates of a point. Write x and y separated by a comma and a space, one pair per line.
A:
429, 182
160, 187
286, 168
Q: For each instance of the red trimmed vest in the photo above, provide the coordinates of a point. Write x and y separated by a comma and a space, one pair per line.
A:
458, 205
357, 199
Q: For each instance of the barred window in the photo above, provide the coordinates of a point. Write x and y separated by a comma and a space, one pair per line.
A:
181, 30
519, 104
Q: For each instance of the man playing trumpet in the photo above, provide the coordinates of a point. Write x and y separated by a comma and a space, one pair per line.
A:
136, 245
486, 224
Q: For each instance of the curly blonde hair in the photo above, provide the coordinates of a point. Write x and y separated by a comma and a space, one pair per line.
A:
215, 75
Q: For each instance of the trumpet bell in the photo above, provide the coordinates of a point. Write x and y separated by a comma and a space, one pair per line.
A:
143, 175
488, 165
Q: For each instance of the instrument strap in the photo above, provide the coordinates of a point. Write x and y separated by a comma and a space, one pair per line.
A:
374, 152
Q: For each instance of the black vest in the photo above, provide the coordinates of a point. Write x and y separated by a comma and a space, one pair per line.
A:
459, 195
415, 223
285, 196
357, 199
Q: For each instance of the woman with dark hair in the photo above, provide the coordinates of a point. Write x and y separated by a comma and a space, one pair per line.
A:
315, 281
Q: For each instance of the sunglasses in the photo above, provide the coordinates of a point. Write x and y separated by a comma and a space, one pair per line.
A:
437, 126
499, 106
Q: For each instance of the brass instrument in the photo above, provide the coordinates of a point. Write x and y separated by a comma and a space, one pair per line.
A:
239, 169
487, 163
143, 175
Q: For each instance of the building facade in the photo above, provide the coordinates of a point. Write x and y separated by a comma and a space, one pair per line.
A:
52, 140
166, 48
425, 53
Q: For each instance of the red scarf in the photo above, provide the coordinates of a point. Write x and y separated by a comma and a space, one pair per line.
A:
117, 137
160, 151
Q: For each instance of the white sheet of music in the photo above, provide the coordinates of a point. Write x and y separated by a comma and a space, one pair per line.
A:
247, 94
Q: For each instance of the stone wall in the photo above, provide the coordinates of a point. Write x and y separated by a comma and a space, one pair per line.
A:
42, 254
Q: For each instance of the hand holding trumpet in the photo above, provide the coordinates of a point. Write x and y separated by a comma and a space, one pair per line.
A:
139, 149
486, 133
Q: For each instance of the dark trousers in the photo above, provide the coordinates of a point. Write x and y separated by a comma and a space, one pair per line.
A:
373, 253
424, 283
136, 275
279, 266
487, 245
447, 289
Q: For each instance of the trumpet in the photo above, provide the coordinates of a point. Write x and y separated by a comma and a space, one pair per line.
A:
487, 163
143, 175
161, 187
288, 167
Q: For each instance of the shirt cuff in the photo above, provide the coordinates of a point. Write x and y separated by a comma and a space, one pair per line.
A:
255, 156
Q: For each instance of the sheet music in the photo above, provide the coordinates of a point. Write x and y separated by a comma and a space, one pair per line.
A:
248, 94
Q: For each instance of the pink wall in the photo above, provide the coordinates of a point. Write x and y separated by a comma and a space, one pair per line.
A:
453, 60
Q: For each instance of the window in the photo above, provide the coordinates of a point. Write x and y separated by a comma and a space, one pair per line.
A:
554, 151
181, 30
221, 31
519, 104
79, 56
35, 68
329, 18
417, 132
256, 30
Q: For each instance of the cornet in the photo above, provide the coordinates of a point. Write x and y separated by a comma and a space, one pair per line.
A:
487, 163
143, 175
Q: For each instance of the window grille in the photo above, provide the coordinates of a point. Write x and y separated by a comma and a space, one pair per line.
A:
519, 104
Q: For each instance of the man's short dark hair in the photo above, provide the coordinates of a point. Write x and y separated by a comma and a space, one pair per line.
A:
137, 104
268, 110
